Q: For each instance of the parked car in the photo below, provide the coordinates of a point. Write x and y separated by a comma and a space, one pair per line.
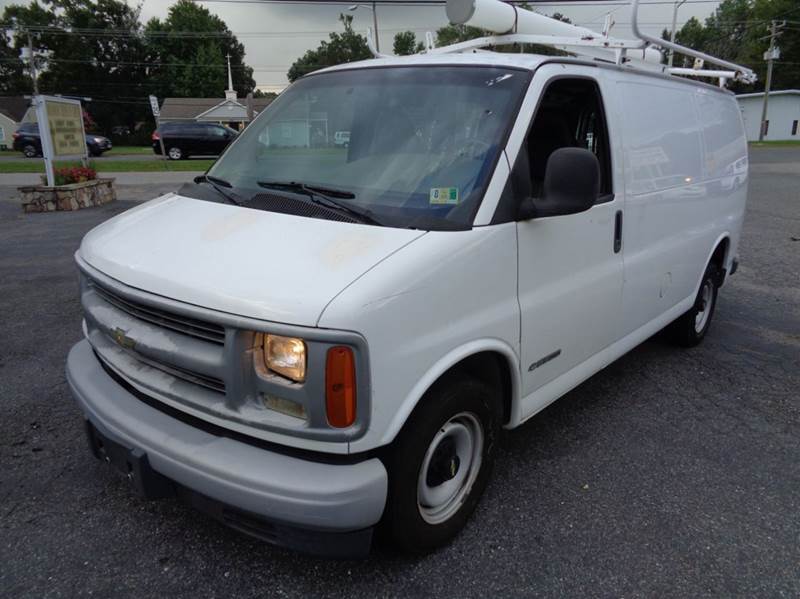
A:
309, 345
28, 141
182, 140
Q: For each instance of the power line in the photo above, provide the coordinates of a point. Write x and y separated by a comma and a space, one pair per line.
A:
439, 3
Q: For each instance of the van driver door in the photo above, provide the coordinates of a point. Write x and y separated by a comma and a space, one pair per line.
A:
570, 270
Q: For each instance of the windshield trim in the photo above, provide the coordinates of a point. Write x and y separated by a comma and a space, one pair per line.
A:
503, 139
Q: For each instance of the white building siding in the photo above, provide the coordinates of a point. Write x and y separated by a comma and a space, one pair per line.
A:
783, 115
7, 128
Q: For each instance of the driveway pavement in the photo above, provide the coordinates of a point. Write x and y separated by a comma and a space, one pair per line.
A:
672, 473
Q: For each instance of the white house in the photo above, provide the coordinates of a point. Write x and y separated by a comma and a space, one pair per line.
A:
229, 111
13, 111
783, 114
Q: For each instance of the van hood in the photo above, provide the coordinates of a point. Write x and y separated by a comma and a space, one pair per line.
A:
238, 260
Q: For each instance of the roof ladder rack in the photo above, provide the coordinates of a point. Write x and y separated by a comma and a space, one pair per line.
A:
516, 26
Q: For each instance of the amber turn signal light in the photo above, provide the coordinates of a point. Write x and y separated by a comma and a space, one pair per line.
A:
340, 386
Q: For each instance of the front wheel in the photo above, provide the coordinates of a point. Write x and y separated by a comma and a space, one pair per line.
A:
440, 465
691, 328
30, 151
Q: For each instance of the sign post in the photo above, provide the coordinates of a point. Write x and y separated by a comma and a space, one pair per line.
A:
156, 114
60, 123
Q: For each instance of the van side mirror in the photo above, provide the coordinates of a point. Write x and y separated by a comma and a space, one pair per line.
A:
571, 185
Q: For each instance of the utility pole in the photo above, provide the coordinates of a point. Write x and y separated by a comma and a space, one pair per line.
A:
375, 23
32, 63
675, 8
772, 54
374, 9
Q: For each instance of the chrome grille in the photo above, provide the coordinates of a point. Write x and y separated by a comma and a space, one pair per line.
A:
129, 333
210, 382
183, 324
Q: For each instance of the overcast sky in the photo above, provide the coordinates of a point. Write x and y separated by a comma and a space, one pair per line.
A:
274, 35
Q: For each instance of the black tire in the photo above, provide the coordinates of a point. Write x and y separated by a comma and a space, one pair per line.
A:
691, 328
30, 151
449, 404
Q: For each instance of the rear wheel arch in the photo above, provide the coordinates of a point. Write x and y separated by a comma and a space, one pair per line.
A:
719, 258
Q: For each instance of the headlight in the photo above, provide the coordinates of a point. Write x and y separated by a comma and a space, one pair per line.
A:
98, 140
286, 356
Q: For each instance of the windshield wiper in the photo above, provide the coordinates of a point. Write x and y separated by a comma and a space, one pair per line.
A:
217, 184
329, 198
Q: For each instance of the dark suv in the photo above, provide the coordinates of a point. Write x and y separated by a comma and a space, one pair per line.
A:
27, 141
182, 140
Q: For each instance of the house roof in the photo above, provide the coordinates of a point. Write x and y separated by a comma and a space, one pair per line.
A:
191, 108
14, 107
780, 92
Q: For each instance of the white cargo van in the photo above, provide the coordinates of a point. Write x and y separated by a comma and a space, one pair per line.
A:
313, 341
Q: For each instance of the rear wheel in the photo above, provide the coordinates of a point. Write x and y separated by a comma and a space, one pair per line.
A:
440, 465
30, 151
175, 153
691, 328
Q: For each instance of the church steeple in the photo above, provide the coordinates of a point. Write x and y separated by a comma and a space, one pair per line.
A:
230, 93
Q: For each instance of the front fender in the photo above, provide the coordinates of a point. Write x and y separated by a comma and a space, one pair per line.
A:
444, 364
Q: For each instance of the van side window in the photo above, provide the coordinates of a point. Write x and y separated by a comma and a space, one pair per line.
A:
570, 114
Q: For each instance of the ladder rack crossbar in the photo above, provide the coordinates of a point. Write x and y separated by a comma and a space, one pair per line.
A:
544, 40
638, 53
742, 73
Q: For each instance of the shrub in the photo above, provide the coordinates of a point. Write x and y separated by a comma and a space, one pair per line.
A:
74, 174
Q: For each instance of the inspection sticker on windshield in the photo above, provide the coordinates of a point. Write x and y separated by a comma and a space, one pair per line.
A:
444, 195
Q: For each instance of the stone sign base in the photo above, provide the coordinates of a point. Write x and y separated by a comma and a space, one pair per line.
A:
40, 198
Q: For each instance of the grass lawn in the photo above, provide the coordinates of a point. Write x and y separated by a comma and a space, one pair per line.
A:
110, 166
119, 150
783, 142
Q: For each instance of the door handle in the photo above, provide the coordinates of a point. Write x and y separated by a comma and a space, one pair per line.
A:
618, 231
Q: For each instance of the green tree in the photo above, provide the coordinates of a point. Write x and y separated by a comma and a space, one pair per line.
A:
83, 57
188, 51
14, 75
737, 31
405, 44
340, 48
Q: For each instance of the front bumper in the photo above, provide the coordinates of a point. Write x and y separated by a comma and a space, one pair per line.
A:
305, 501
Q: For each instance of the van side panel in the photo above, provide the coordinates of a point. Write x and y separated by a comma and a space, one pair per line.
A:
726, 163
674, 211
448, 295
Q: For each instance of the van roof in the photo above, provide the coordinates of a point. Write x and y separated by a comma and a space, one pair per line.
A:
506, 59
503, 59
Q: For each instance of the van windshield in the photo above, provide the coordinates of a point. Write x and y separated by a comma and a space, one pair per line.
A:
411, 146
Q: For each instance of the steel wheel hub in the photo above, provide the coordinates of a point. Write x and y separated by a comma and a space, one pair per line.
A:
703, 306
450, 467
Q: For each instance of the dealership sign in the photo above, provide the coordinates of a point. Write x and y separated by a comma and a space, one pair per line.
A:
61, 131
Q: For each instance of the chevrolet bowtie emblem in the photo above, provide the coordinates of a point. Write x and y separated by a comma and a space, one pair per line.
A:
122, 339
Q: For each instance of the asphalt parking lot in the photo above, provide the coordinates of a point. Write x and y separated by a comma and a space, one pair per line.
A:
672, 473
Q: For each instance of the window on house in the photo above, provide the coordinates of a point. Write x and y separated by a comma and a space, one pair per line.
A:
794, 127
